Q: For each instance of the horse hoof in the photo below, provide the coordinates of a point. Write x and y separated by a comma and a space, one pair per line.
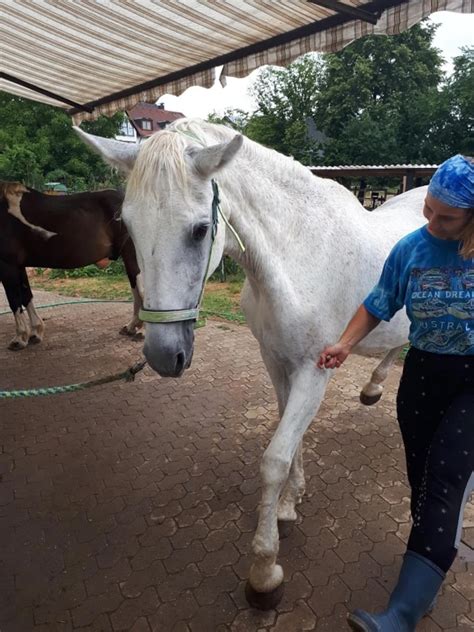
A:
16, 346
134, 335
369, 400
34, 340
263, 600
285, 527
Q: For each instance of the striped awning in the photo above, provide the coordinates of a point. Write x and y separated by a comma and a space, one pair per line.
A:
99, 56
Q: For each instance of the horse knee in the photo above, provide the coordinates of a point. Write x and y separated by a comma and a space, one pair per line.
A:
274, 470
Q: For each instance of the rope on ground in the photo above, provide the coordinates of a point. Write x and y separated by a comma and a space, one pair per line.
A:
79, 302
128, 375
234, 317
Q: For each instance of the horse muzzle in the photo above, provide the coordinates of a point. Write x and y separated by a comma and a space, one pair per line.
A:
169, 347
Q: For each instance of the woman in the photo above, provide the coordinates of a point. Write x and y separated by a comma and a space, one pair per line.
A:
431, 273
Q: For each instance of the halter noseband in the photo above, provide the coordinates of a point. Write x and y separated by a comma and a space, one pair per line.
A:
177, 315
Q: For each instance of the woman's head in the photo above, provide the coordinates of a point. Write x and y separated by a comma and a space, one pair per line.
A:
449, 204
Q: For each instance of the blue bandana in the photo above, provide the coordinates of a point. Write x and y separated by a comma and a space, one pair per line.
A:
453, 182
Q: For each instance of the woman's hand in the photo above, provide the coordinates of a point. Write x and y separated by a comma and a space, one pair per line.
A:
359, 326
333, 356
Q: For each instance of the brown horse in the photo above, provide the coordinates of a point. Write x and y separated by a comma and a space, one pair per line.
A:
38, 230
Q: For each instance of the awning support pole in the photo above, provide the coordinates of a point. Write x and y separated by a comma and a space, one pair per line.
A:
47, 93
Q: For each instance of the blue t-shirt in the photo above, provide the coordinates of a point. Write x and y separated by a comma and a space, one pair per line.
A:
436, 285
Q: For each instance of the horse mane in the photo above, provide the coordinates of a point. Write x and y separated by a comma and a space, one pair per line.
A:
162, 156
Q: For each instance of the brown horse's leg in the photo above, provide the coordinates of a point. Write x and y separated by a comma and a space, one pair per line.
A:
133, 273
20, 340
11, 278
36, 323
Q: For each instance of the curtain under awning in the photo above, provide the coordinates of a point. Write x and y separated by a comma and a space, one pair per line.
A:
107, 55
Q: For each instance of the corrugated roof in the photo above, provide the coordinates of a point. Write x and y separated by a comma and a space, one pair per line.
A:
107, 55
369, 167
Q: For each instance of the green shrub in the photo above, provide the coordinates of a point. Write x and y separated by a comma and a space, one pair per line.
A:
115, 268
228, 270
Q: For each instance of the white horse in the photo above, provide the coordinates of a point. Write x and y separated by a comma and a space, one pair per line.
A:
312, 254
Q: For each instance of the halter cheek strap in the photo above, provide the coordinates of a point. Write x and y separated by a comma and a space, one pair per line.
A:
178, 315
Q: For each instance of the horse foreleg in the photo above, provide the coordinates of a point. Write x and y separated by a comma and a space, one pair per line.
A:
132, 327
295, 485
372, 391
20, 340
134, 277
307, 387
292, 494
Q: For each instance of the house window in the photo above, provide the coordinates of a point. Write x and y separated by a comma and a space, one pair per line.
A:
146, 124
127, 129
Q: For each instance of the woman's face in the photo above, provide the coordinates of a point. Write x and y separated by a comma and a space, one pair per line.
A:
444, 222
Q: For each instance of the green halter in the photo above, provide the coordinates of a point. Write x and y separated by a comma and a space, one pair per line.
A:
177, 315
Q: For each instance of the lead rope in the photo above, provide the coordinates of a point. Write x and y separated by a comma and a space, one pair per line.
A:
128, 375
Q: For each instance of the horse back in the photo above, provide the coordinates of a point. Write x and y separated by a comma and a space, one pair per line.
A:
84, 226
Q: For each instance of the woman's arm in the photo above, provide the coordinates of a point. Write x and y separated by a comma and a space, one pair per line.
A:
359, 326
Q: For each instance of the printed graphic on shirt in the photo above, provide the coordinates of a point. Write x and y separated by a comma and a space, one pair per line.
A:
442, 301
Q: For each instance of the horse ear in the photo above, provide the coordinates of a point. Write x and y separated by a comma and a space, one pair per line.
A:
117, 153
210, 159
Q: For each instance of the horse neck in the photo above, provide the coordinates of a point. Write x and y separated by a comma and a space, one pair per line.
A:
279, 208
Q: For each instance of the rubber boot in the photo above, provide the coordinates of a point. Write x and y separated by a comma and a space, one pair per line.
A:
417, 587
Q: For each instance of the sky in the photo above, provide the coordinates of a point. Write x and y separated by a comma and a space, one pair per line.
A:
455, 30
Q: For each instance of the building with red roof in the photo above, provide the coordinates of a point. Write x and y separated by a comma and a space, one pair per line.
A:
144, 119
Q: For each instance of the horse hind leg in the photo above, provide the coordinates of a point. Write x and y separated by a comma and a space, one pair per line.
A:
20, 340
36, 322
372, 391
12, 277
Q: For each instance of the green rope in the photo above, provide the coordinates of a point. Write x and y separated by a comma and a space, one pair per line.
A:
228, 315
82, 301
128, 376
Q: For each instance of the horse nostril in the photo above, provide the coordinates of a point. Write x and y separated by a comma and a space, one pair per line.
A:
180, 358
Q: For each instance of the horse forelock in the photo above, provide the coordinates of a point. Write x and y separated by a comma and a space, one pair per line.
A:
161, 162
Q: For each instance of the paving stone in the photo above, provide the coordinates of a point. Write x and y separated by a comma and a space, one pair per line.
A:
324, 600
300, 618
131, 610
133, 506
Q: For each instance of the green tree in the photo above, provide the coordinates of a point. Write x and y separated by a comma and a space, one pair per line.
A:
454, 130
37, 144
233, 117
380, 98
286, 101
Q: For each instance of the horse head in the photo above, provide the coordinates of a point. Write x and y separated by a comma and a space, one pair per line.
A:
170, 212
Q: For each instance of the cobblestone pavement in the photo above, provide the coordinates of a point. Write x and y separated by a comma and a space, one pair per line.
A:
132, 506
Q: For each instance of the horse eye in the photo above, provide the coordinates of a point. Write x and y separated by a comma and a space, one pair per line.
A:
200, 231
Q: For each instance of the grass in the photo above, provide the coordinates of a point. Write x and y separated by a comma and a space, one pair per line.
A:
220, 299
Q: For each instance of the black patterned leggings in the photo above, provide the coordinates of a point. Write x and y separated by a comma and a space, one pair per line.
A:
435, 406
